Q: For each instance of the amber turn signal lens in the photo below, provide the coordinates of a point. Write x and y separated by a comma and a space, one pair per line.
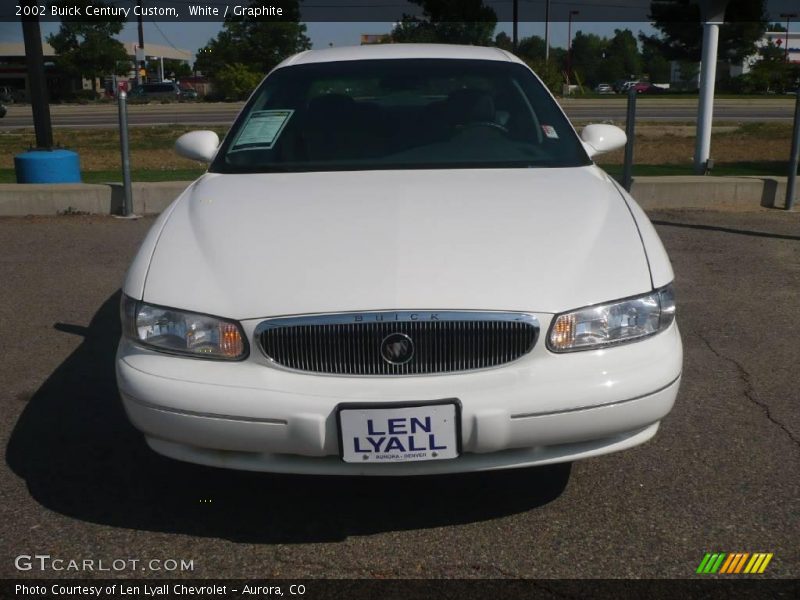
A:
563, 332
230, 340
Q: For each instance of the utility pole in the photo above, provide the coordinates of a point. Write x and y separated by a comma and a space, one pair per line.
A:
43, 164
139, 59
547, 31
516, 24
37, 85
572, 13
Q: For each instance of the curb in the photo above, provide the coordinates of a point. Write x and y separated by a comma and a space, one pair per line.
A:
708, 192
652, 193
17, 200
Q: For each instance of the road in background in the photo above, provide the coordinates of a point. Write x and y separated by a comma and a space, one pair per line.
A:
722, 474
598, 109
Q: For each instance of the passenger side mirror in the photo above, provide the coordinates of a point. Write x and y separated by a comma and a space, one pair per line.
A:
198, 145
600, 138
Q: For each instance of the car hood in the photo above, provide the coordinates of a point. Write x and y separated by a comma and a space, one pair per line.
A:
538, 240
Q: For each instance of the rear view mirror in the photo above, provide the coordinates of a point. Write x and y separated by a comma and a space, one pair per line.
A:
600, 138
198, 145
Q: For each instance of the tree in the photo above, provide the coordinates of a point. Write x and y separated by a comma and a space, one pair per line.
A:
682, 30
598, 59
448, 22
771, 72
588, 50
654, 65
176, 68
236, 81
173, 68
623, 58
258, 44
549, 72
529, 48
85, 46
503, 41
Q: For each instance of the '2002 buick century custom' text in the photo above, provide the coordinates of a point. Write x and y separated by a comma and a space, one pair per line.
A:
402, 260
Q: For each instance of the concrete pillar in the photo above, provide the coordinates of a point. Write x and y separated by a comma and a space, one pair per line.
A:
713, 15
708, 77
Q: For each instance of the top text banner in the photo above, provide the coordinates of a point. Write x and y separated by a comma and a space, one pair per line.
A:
585, 11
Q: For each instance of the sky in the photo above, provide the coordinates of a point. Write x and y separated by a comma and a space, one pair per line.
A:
191, 36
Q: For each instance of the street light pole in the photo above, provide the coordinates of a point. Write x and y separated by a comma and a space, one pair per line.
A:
569, 46
788, 17
140, 60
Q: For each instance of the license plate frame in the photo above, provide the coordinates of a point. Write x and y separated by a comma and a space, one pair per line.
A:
401, 408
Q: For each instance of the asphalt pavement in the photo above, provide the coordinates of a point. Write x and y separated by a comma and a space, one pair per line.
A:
596, 109
722, 475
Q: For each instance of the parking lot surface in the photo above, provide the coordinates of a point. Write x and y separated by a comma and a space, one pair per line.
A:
722, 475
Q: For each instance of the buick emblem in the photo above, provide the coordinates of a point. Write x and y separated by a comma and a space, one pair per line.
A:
397, 349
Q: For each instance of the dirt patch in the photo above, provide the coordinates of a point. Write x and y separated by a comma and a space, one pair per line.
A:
151, 147
656, 144
668, 144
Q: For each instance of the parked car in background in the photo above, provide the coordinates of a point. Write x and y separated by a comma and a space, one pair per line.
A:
167, 90
623, 86
645, 87
401, 261
9, 95
604, 88
188, 93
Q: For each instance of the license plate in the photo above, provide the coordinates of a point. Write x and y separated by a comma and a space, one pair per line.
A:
370, 433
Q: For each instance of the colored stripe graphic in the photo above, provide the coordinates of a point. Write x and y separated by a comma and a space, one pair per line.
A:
703, 563
754, 564
766, 562
736, 559
718, 563
758, 563
734, 563
727, 564
711, 562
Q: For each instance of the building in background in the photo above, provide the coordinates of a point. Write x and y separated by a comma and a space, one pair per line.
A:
375, 38
14, 71
781, 39
686, 75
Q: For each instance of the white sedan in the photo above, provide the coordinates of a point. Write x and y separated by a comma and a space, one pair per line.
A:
402, 260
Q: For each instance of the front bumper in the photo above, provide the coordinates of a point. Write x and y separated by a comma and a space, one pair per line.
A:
542, 409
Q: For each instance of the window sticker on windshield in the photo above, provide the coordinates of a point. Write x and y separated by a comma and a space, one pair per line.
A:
550, 132
262, 129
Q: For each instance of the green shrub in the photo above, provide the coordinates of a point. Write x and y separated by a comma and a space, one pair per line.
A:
235, 81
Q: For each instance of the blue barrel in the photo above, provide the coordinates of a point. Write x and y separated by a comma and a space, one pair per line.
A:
48, 166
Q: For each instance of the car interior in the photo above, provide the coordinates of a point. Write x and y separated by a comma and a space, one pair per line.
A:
403, 121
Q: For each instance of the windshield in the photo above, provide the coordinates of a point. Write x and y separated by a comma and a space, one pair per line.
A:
399, 114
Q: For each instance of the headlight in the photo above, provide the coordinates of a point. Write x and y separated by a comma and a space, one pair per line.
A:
182, 332
613, 323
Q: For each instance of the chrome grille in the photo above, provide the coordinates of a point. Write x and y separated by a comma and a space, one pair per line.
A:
355, 344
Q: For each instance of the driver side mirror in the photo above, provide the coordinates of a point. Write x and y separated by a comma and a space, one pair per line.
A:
601, 138
198, 145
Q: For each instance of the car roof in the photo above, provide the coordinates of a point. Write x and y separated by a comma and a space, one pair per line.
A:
399, 51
